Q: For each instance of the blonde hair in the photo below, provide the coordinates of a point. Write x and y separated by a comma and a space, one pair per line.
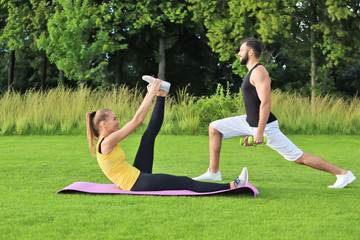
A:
93, 120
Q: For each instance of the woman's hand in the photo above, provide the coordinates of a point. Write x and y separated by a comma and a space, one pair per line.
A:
154, 88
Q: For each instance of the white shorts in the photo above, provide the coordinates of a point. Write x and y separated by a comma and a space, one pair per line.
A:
238, 126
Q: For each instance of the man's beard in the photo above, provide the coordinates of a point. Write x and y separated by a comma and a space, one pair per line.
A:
245, 59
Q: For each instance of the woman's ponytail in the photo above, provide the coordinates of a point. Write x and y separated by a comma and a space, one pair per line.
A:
93, 120
91, 132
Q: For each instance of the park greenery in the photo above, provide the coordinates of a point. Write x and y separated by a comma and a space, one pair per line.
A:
310, 46
60, 59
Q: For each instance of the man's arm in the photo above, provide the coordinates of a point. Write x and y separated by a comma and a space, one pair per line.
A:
261, 80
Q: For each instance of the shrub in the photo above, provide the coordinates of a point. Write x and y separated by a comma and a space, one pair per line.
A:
220, 105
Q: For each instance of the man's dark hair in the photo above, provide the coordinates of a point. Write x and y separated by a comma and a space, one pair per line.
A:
254, 44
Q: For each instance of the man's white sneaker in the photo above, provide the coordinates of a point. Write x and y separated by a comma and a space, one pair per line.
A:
165, 86
243, 179
343, 180
209, 176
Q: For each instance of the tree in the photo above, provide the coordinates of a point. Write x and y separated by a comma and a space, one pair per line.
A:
229, 22
25, 21
339, 33
319, 25
79, 38
166, 18
42, 10
16, 31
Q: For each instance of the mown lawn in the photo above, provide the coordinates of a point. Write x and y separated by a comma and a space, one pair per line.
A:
294, 201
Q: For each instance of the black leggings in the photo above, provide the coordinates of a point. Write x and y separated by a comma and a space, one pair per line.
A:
145, 157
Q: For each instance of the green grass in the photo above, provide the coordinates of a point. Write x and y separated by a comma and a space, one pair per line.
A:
294, 201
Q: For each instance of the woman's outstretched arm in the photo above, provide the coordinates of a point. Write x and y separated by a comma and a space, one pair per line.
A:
139, 117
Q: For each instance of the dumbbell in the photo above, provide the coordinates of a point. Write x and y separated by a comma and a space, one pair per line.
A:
251, 140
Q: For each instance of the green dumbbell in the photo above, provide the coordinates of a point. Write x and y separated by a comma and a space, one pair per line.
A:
251, 140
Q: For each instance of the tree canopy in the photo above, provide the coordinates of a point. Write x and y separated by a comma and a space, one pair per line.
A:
309, 45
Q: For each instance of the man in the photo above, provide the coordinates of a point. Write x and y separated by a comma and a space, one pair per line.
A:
259, 122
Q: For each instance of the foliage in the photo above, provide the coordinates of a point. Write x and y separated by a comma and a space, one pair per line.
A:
79, 38
166, 19
16, 32
338, 40
228, 22
347, 77
116, 42
158, 14
220, 105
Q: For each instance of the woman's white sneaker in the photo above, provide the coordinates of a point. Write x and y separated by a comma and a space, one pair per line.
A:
243, 179
165, 86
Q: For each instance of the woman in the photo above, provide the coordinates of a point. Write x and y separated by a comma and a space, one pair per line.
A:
103, 125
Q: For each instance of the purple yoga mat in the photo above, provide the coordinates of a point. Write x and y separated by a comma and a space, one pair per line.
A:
98, 188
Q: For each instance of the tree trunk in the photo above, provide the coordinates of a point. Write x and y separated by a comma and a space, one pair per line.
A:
326, 78
11, 69
313, 21
119, 68
161, 72
44, 68
61, 78
105, 71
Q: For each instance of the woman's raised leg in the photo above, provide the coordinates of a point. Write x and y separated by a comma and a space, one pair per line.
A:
145, 156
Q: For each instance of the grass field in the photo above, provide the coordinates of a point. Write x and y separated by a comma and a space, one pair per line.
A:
294, 201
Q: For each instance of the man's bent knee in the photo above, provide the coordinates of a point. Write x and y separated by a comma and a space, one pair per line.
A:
214, 131
301, 160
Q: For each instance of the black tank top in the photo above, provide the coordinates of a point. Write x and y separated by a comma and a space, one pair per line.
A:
252, 101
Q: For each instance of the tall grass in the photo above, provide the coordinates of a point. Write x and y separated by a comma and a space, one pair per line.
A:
62, 111
327, 115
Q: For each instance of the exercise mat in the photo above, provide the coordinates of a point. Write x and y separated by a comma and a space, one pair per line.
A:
99, 188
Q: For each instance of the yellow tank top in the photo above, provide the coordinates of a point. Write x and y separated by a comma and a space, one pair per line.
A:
116, 168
